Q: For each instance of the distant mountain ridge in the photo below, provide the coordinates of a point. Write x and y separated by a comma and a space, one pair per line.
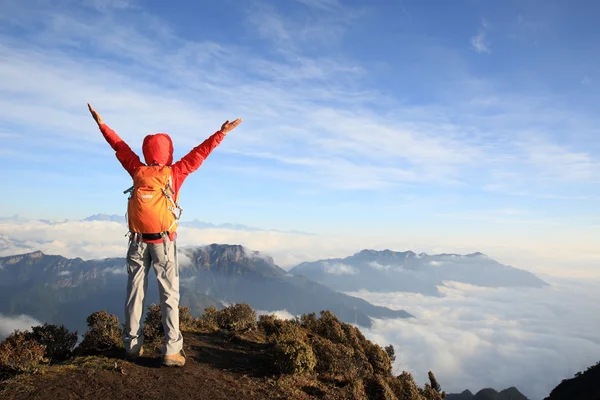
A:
389, 271
60, 290
511, 393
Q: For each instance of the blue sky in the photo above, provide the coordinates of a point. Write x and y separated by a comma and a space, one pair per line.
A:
466, 119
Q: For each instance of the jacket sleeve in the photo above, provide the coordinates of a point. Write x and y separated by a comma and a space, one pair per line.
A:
194, 159
128, 159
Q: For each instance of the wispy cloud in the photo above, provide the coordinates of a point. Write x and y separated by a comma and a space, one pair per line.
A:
339, 269
339, 150
480, 42
308, 111
328, 5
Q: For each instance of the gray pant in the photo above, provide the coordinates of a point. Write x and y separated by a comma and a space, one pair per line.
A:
163, 257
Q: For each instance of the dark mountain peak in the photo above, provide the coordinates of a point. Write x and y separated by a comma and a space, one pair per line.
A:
486, 394
234, 253
584, 385
476, 254
233, 260
465, 395
512, 393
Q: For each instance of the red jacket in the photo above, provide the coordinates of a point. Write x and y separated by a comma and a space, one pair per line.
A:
158, 149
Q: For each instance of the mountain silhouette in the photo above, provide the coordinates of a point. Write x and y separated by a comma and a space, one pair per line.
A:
511, 393
60, 290
584, 385
390, 271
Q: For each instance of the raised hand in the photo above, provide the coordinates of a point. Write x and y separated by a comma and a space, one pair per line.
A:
227, 126
96, 116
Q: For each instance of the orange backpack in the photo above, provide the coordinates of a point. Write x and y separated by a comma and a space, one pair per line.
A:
151, 205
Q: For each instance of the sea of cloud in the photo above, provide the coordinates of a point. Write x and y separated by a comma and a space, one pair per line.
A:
473, 337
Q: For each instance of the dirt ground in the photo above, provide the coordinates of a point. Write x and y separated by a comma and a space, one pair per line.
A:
218, 366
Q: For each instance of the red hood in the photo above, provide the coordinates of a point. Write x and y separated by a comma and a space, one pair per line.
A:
158, 149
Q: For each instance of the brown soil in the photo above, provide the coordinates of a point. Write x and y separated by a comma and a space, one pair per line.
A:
218, 366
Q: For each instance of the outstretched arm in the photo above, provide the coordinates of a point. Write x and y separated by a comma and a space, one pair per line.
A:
194, 159
128, 159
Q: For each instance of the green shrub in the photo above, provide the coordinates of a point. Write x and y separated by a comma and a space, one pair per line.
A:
377, 388
378, 358
186, 320
104, 333
390, 352
432, 390
153, 328
293, 353
294, 357
339, 350
405, 387
237, 317
327, 326
275, 327
335, 358
19, 353
345, 345
268, 323
208, 320
309, 321
355, 390
59, 342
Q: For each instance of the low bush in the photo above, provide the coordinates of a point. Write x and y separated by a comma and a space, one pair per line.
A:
104, 333
237, 317
186, 320
59, 342
377, 388
269, 323
19, 353
208, 321
153, 328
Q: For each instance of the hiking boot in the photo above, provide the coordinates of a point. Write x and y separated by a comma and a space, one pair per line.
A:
134, 355
174, 360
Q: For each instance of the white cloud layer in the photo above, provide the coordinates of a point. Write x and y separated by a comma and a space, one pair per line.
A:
8, 324
281, 314
473, 338
339, 269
